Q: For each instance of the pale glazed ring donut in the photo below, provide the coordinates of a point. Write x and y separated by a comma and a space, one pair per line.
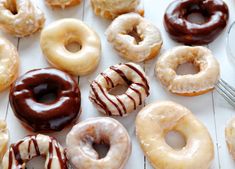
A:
110, 9
65, 31
9, 63
128, 47
98, 130
122, 74
188, 85
4, 138
32, 146
62, 3
27, 20
230, 137
152, 124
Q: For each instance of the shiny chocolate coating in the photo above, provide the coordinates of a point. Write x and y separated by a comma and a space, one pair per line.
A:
215, 13
29, 105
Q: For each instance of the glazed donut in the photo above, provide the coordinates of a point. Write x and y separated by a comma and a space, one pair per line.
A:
121, 74
32, 146
109, 9
157, 119
9, 63
99, 131
56, 36
4, 138
230, 137
178, 26
30, 105
62, 3
121, 33
20, 17
190, 84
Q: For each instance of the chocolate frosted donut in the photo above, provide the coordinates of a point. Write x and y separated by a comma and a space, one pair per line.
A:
215, 13
29, 99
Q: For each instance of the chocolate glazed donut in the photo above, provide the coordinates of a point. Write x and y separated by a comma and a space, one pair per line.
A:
29, 103
215, 13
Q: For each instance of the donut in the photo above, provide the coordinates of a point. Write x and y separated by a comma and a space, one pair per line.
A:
135, 38
190, 84
230, 137
110, 9
99, 130
121, 74
20, 17
32, 146
62, 3
155, 120
181, 29
30, 104
60, 33
4, 138
9, 63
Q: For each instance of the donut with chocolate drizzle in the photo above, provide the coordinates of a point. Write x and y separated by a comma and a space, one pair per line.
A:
177, 24
45, 99
32, 146
130, 74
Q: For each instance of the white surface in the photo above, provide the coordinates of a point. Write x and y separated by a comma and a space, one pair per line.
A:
210, 108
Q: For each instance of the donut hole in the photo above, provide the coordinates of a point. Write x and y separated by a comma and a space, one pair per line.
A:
175, 140
187, 68
101, 148
36, 163
118, 90
46, 93
73, 46
134, 33
196, 17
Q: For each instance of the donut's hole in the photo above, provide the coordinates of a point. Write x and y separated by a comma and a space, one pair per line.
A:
197, 18
36, 163
118, 90
187, 68
73, 46
134, 33
175, 140
101, 148
45, 93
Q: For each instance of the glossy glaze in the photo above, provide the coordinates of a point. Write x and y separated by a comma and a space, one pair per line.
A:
216, 15
26, 99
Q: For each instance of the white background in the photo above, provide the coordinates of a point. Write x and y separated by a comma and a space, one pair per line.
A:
210, 108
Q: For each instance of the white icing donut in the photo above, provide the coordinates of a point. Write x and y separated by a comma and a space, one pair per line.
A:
98, 130
230, 137
110, 9
56, 36
134, 37
62, 3
31, 146
157, 119
121, 74
9, 63
20, 17
4, 138
190, 84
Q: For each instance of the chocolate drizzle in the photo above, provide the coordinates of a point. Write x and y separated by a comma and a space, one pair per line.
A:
102, 104
15, 153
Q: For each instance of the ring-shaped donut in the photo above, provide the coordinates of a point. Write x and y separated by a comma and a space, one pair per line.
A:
178, 26
189, 84
62, 3
9, 63
20, 17
4, 138
32, 146
99, 131
29, 104
57, 35
122, 74
155, 120
122, 31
